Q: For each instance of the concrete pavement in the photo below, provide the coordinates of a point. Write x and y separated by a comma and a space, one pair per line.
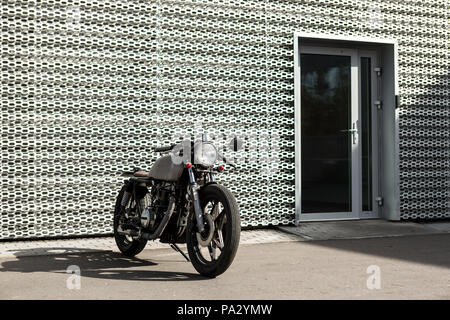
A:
409, 267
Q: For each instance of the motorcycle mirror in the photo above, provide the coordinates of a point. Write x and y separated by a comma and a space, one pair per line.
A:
236, 144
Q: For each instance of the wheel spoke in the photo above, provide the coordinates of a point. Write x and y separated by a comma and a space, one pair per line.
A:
212, 252
217, 244
221, 220
220, 243
215, 211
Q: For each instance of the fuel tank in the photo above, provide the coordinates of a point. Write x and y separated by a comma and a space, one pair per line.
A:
165, 169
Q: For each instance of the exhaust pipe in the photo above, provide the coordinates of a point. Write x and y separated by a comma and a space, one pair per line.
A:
158, 231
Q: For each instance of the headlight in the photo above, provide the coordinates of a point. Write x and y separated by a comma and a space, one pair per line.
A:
205, 154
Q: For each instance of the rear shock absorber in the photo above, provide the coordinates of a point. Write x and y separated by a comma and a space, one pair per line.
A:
126, 194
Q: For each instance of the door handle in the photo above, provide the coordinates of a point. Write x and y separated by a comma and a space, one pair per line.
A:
353, 131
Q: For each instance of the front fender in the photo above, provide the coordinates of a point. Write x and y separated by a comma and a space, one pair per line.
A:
207, 184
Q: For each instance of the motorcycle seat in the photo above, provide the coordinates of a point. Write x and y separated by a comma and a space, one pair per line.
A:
141, 173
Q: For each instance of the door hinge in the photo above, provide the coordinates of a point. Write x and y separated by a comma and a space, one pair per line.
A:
378, 104
379, 201
378, 71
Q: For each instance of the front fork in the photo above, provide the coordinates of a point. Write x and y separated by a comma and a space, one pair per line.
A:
196, 200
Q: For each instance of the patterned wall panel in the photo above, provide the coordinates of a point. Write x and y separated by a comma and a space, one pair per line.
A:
89, 87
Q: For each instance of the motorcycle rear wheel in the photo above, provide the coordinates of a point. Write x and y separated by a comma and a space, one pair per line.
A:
127, 245
220, 203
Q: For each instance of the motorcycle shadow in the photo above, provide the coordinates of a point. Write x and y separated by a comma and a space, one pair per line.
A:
93, 264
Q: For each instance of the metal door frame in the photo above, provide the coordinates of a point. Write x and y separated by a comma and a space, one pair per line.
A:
375, 90
388, 149
356, 170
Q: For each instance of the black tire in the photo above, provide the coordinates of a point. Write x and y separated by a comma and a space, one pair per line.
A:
230, 232
128, 247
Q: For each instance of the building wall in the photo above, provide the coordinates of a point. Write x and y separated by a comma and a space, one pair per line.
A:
90, 86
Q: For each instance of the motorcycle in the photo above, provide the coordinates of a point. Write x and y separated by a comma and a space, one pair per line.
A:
179, 201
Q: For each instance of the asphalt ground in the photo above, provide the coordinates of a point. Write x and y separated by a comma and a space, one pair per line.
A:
407, 267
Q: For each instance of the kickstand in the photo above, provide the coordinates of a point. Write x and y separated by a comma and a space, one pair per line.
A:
177, 248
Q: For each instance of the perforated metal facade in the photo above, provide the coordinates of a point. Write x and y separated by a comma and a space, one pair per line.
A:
89, 87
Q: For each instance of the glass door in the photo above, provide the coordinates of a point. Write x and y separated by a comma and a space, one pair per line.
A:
329, 134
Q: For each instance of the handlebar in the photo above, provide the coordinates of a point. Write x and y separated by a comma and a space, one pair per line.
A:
229, 163
164, 149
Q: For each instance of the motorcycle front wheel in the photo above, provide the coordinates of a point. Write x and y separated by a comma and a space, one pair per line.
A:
212, 256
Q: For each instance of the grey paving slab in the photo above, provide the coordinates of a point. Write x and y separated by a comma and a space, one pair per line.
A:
357, 229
